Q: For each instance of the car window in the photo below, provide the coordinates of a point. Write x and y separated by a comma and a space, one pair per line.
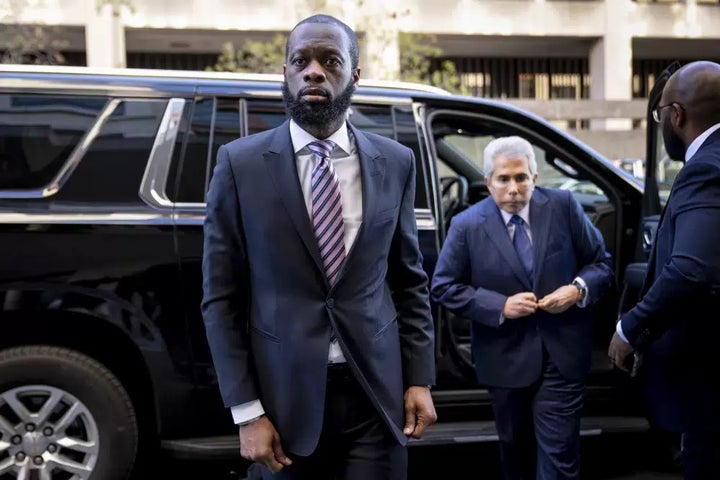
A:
122, 146
207, 124
264, 114
470, 142
667, 168
397, 123
38, 133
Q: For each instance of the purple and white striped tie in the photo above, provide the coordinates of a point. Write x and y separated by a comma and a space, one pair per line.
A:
327, 210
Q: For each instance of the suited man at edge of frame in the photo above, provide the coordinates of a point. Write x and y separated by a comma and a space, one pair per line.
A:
524, 266
674, 327
315, 302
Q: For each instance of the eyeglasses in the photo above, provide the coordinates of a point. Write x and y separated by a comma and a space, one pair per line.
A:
659, 108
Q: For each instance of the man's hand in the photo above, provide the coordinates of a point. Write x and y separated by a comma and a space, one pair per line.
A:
560, 300
419, 411
619, 350
520, 305
260, 442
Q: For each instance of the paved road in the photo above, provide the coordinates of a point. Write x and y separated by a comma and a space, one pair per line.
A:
626, 457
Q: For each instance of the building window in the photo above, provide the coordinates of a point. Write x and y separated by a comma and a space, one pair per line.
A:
534, 78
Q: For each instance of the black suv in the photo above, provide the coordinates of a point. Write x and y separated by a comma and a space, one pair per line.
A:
103, 177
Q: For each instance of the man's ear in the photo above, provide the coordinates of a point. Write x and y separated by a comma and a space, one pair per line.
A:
680, 116
356, 76
284, 68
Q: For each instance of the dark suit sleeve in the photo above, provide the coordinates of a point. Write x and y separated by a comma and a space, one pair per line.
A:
693, 268
225, 287
452, 284
596, 267
409, 285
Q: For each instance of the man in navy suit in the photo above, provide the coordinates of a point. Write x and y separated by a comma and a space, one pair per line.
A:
524, 265
675, 326
315, 300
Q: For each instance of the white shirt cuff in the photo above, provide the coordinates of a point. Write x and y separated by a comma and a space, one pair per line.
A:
586, 299
620, 333
247, 411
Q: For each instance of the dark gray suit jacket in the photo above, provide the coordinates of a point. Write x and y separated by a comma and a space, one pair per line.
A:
268, 308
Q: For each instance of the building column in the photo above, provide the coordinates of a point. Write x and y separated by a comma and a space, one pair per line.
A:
611, 63
691, 18
105, 35
379, 25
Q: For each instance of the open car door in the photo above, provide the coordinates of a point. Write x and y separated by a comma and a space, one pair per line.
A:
660, 172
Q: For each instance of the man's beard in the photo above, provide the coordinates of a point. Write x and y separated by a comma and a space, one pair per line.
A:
674, 145
318, 114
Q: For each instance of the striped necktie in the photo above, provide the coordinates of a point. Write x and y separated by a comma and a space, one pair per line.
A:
327, 216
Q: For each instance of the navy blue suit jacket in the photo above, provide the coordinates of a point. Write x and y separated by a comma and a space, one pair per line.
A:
676, 323
478, 269
268, 308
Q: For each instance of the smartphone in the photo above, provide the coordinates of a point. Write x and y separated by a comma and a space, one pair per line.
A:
632, 364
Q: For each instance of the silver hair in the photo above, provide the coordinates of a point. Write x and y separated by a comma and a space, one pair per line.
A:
506, 147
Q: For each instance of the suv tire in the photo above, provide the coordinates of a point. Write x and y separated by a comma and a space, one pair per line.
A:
99, 412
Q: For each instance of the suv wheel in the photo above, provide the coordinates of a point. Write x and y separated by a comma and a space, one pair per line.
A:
63, 416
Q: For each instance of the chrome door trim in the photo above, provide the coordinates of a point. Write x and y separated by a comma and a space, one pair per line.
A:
154, 181
119, 218
424, 217
425, 220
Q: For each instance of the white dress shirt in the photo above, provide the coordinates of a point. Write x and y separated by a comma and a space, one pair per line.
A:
346, 161
689, 153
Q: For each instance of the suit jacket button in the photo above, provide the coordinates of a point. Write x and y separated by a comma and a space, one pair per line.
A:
330, 303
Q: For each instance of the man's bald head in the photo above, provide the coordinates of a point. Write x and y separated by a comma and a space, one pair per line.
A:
696, 86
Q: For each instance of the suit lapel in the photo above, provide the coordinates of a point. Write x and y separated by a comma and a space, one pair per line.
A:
540, 220
498, 233
280, 162
372, 174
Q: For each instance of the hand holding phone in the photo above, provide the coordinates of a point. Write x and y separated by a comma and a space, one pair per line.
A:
632, 364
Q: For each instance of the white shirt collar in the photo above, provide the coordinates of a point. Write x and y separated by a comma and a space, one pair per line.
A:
524, 214
300, 138
697, 143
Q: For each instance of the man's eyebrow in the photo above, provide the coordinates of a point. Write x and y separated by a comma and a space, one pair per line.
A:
331, 49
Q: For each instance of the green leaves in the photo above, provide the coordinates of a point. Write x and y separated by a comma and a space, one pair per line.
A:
254, 56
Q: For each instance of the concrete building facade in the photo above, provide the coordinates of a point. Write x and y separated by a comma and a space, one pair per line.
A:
539, 49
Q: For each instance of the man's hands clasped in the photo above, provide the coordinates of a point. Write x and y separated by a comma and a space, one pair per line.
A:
526, 303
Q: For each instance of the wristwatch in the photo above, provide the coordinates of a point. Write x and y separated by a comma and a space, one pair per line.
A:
581, 288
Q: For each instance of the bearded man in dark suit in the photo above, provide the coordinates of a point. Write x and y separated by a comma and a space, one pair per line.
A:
675, 325
315, 300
